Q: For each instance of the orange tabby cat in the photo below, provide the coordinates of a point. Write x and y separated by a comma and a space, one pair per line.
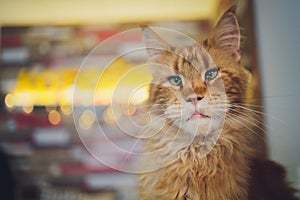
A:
202, 149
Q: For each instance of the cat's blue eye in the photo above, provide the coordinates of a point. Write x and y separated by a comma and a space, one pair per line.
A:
211, 74
175, 80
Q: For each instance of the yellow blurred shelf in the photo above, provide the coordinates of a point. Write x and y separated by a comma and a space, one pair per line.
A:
62, 12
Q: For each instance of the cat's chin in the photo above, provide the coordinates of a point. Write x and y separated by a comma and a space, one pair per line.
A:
199, 125
196, 126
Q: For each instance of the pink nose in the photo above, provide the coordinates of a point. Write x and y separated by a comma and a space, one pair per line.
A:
193, 99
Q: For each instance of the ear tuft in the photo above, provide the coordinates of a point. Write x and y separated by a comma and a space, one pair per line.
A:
156, 46
226, 34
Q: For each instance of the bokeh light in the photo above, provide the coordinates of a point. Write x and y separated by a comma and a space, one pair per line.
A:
87, 119
108, 116
9, 100
28, 109
54, 117
66, 109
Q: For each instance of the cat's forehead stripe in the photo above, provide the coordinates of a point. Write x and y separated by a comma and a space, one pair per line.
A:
197, 56
176, 62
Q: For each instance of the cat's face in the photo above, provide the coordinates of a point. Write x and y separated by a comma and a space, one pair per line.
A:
196, 85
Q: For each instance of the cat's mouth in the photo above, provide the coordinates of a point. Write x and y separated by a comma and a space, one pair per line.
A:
198, 115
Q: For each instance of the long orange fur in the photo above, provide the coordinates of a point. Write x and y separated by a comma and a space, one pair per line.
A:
224, 173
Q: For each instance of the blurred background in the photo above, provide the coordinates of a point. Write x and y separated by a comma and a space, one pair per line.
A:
43, 45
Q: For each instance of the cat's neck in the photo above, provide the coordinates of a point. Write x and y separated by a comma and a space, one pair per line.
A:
221, 174
172, 144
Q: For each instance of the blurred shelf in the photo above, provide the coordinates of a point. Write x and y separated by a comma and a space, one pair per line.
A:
56, 12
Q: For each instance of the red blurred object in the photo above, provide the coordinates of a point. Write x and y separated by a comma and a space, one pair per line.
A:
34, 120
12, 41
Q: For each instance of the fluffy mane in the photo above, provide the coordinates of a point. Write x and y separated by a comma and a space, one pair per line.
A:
203, 142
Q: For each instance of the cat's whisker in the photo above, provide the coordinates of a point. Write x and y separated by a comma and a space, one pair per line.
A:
251, 117
231, 117
161, 140
156, 110
174, 115
233, 121
145, 130
242, 123
240, 105
150, 114
250, 105
260, 113
247, 113
175, 123
139, 138
142, 106
256, 116
158, 117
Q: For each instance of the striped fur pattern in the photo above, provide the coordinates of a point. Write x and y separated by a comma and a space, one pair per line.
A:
204, 157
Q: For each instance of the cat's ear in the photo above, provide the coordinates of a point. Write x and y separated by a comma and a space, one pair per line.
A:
226, 35
156, 46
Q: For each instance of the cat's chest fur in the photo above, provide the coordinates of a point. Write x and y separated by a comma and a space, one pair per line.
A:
189, 86
221, 174
196, 91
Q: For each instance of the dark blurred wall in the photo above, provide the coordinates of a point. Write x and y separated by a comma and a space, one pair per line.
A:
7, 185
